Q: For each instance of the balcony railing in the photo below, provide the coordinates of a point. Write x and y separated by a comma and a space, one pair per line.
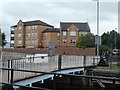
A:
12, 32
12, 38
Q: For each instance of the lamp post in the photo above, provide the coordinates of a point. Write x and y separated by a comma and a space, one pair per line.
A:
115, 38
98, 41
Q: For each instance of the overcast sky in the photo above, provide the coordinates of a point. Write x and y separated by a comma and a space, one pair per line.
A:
54, 12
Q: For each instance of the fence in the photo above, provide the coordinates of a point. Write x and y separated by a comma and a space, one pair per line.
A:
43, 64
88, 80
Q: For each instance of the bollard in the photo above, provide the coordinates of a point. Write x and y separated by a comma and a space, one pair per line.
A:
59, 62
33, 57
54, 82
93, 61
84, 61
11, 81
8, 70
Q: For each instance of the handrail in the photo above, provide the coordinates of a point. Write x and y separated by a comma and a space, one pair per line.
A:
38, 88
86, 76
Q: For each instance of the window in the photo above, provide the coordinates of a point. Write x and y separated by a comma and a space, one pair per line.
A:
82, 33
19, 27
64, 33
19, 41
64, 41
34, 27
12, 35
19, 35
72, 33
45, 34
73, 41
27, 41
58, 34
28, 35
34, 34
33, 41
12, 29
27, 27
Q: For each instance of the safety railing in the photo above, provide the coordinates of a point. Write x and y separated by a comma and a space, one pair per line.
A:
44, 64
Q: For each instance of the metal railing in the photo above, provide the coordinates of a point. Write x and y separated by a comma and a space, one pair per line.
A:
88, 79
43, 64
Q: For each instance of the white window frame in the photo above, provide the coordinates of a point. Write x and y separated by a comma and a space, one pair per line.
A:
64, 33
19, 27
82, 33
34, 41
58, 34
34, 34
34, 27
20, 35
27, 41
64, 41
72, 33
19, 41
27, 34
27, 27
12, 29
73, 41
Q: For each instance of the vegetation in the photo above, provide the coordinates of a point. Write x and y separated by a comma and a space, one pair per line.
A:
108, 39
2, 39
103, 48
85, 41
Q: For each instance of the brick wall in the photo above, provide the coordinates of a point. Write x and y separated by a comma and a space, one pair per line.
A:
66, 51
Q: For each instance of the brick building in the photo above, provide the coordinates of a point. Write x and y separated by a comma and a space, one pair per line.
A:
51, 34
37, 34
28, 34
70, 31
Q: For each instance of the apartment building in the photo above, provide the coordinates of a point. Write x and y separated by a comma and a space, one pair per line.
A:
28, 34
70, 31
51, 35
37, 34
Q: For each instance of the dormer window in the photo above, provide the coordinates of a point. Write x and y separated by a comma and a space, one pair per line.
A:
73, 33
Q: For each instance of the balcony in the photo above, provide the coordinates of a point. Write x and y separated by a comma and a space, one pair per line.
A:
12, 38
12, 32
11, 45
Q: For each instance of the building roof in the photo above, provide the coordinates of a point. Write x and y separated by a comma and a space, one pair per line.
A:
51, 30
13, 26
81, 26
35, 22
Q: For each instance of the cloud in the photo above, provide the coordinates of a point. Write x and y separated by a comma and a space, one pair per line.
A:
55, 12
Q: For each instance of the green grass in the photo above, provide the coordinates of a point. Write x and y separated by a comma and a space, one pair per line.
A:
112, 67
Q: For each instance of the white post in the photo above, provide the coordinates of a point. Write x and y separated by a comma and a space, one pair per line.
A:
97, 26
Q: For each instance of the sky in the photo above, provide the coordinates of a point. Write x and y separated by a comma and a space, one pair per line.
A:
54, 11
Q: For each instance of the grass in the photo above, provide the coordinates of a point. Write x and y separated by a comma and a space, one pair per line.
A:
112, 67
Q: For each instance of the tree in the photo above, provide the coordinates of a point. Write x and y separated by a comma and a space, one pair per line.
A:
2, 39
85, 41
108, 39
103, 48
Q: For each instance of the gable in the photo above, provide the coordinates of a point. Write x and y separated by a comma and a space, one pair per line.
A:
80, 26
20, 23
73, 27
